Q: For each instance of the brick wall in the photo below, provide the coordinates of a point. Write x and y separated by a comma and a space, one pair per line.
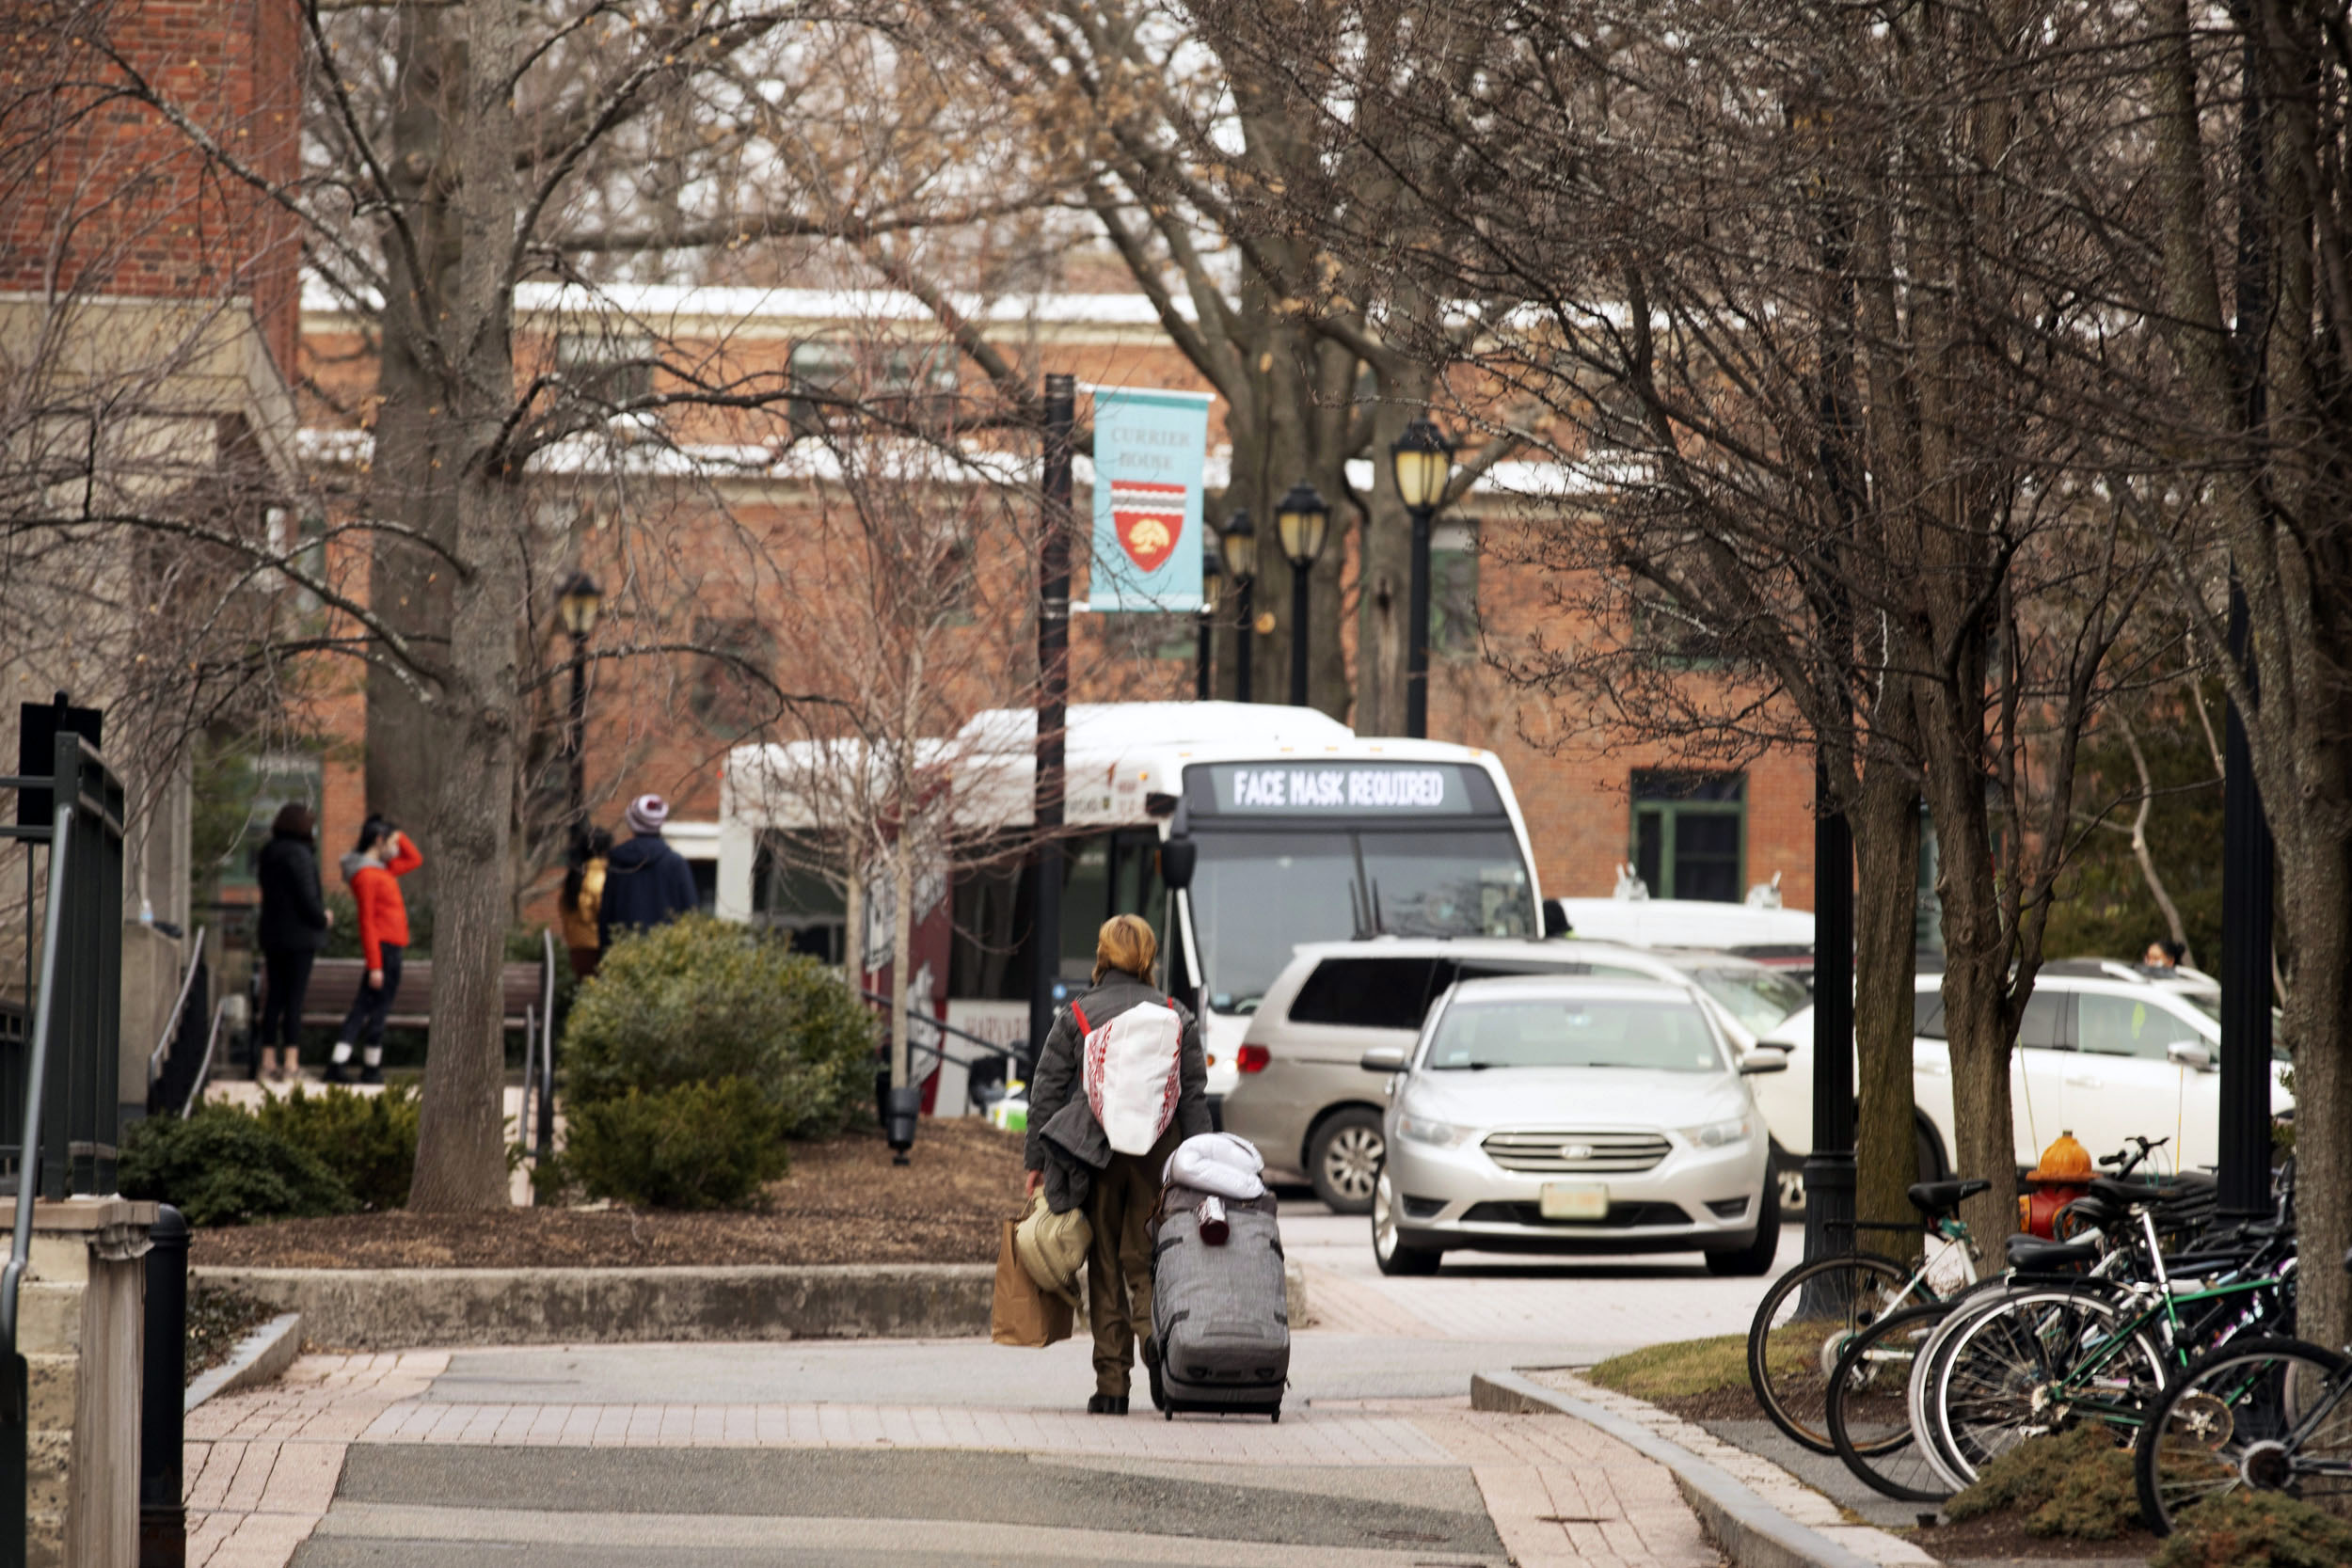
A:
111, 198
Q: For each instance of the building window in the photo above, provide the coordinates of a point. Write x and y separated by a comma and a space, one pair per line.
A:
796, 888
268, 782
607, 368
833, 382
1690, 833
1454, 588
730, 695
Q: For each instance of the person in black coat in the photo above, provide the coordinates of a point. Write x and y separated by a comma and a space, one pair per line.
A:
646, 883
293, 929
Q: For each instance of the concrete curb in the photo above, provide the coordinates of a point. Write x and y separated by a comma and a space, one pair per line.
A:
404, 1308
1752, 1532
260, 1357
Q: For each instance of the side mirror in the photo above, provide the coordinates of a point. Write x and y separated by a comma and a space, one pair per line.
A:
1756, 1062
2195, 1054
1383, 1058
1555, 920
1178, 856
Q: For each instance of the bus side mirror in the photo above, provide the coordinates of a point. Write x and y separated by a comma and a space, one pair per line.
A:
1555, 920
1178, 856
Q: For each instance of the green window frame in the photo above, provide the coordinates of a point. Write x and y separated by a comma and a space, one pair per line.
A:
1454, 588
1690, 834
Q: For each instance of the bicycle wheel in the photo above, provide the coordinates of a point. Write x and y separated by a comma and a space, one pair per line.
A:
2037, 1362
1977, 1298
1868, 1406
1802, 1325
2266, 1413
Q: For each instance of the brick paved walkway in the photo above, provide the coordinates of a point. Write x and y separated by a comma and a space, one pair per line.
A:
263, 1467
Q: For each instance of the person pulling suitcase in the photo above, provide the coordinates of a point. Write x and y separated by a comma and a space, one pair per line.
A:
1121, 1082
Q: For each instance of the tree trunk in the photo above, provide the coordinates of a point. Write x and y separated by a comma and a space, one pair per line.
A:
461, 1162
1885, 821
2315, 882
1978, 1023
414, 472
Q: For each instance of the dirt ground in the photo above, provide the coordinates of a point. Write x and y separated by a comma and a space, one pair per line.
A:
843, 1203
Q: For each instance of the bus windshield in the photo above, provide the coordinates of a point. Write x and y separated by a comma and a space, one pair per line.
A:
1256, 896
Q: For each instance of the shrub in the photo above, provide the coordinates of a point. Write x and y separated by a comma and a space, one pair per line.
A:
2257, 1529
689, 1146
367, 1141
2077, 1484
221, 1166
699, 1000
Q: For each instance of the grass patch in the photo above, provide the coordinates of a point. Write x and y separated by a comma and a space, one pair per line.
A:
1687, 1368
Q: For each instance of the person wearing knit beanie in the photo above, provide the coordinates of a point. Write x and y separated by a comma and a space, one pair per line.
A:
646, 814
646, 883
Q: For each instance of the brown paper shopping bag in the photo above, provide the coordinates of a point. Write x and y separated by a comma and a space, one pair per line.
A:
1022, 1314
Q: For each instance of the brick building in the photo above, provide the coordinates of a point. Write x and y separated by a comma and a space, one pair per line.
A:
666, 725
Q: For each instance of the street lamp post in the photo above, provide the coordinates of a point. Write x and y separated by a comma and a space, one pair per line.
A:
1423, 463
1300, 521
1211, 580
579, 603
1237, 541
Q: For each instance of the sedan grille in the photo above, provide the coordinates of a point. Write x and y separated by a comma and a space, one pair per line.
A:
1584, 1153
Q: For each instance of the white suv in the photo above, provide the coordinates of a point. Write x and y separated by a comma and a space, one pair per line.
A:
2106, 1051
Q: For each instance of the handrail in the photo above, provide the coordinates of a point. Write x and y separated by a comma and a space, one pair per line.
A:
205, 1067
1020, 1054
187, 984
35, 1082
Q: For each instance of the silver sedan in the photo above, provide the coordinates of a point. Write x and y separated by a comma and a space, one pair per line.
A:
1570, 1115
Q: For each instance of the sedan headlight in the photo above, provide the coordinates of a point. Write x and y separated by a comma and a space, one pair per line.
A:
1721, 1134
1439, 1135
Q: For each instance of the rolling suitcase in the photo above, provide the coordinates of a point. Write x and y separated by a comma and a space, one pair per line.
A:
1220, 1324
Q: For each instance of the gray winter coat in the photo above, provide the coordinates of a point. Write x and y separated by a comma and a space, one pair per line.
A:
1065, 1140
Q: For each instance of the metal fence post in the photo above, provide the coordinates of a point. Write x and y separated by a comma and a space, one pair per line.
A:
162, 1514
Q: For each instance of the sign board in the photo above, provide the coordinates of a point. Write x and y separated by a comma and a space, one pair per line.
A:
1349, 789
1147, 451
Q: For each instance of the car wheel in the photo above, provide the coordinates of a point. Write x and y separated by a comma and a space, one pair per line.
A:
1343, 1160
1756, 1257
1388, 1249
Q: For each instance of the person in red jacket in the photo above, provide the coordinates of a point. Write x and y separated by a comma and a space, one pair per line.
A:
385, 854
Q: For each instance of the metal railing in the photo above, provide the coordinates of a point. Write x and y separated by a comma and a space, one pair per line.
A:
70, 1065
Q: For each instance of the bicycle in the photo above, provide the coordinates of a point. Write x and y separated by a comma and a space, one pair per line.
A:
1868, 1406
2038, 1357
1814, 1311
2269, 1414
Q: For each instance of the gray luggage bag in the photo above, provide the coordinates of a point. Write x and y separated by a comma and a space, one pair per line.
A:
1220, 1323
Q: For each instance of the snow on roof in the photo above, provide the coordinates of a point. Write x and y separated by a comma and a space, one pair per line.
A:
670, 305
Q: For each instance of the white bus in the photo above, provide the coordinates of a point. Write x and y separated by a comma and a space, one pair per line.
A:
1302, 831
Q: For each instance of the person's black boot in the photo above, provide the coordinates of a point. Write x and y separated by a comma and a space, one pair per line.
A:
372, 1075
337, 1072
1107, 1404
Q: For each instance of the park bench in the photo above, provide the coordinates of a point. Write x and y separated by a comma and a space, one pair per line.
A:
335, 983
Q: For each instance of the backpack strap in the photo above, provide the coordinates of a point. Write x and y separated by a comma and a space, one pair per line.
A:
1080, 1014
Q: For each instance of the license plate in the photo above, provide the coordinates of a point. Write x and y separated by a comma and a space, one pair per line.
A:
1575, 1201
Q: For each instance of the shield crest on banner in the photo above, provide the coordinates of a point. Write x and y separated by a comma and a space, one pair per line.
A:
1148, 519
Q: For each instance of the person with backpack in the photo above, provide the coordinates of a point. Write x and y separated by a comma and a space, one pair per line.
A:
583, 897
646, 883
374, 869
1121, 1082
292, 929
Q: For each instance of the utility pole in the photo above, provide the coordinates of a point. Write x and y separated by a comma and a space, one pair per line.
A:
1053, 700
2246, 871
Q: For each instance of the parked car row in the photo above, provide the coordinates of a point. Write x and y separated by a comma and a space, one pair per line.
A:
1569, 1095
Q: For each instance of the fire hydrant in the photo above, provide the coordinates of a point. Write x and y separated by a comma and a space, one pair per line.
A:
2063, 1176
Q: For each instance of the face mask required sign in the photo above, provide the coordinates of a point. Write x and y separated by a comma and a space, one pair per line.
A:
1147, 451
1341, 789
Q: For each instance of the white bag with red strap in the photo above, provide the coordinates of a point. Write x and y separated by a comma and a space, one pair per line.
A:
1131, 1073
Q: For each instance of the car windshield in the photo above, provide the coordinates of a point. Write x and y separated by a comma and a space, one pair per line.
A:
1759, 998
1255, 896
1665, 1035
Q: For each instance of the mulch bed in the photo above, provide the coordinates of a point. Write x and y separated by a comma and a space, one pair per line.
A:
218, 1319
2001, 1537
843, 1203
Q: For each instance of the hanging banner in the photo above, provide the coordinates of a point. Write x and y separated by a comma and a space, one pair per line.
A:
1148, 449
